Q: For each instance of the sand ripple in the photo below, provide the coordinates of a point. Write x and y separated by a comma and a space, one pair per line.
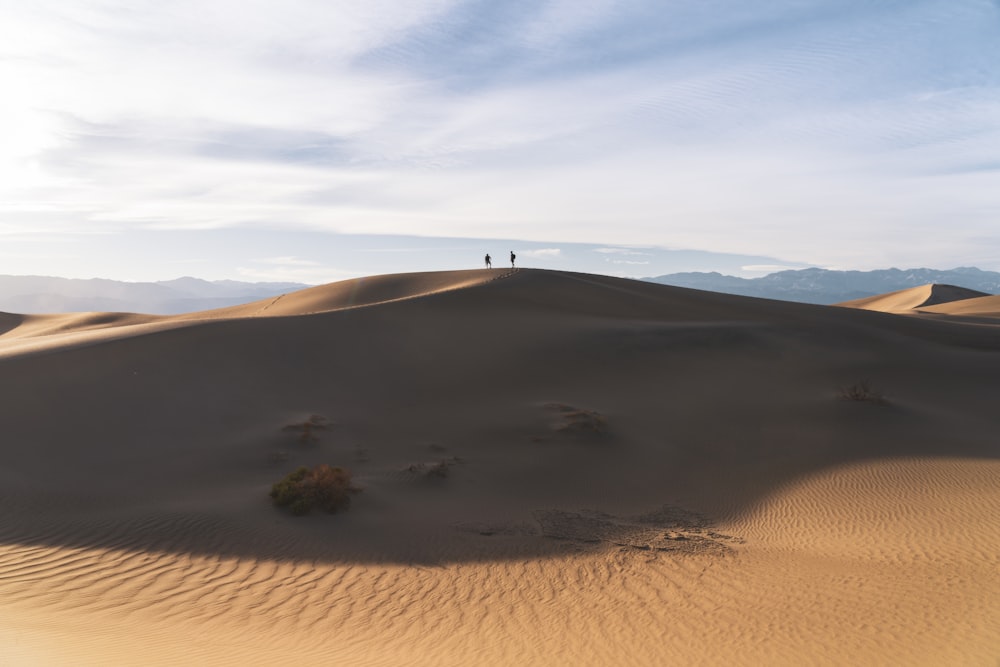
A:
896, 559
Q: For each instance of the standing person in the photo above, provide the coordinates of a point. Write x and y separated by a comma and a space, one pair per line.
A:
489, 261
512, 258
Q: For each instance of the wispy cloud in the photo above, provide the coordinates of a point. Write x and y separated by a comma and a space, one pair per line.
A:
542, 253
831, 132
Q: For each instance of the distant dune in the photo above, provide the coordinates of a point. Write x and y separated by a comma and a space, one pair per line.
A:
822, 286
555, 468
914, 298
47, 294
983, 306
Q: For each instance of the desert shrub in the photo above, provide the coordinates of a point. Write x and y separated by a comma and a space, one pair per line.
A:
862, 391
578, 420
435, 470
326, 487
439, 469
307, 429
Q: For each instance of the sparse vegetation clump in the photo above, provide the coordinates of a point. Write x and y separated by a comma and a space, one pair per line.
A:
436, 470
863, 391
326, 487
307, 429
578, 420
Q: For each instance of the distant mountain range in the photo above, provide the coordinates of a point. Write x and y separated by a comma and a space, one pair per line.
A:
40, 294
825, 287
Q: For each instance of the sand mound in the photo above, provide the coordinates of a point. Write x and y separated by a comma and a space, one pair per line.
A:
555, 468
31, 326
21, 334
984, 306
359, 292
914, 298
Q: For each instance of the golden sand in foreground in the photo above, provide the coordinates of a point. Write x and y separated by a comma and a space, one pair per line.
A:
716, 503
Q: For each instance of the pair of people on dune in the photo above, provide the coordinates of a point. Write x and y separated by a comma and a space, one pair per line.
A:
489, 260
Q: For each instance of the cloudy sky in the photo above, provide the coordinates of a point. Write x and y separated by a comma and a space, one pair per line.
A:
315, 140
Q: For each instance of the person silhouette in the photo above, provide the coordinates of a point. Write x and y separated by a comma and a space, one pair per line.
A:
489, 262
512, 258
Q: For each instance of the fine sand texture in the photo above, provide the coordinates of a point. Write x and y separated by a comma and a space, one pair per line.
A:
554, 469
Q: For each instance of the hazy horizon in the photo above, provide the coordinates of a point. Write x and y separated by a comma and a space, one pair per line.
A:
392, 255
295, 140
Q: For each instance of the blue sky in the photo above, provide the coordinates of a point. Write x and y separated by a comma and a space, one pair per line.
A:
314, 141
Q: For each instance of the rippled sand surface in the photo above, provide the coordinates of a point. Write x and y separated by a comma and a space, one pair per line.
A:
635, 475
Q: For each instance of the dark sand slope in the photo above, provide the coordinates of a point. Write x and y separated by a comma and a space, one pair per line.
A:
139, 451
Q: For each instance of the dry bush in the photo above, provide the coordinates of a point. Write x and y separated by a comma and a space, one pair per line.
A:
862, 391
326, 487
440, 469
578, 420
437, 470
307, 429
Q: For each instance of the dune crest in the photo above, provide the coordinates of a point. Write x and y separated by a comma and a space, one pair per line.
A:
983, 306
913, 299
34, 333
360, 292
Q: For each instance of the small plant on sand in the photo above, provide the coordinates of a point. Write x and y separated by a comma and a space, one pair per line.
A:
324, 486
436, 470
307, 429
862, 391
578, 420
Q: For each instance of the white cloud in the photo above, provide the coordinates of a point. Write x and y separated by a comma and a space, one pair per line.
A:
827, 132
539, 253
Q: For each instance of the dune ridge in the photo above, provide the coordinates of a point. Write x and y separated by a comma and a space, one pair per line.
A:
634, 474
33, 333
983, 306
361, 292
914, 298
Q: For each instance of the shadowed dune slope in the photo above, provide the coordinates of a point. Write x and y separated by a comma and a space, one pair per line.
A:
537, 452
914, 298
738, 393
10, 321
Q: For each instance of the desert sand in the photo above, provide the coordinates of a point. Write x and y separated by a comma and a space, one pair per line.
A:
983, 306
914, 299
635, 474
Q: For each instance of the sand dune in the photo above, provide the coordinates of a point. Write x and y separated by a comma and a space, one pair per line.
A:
33, 333
914, 298
984, 306
636, 474
360, 292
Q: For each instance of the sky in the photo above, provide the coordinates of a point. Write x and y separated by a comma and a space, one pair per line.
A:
317, 140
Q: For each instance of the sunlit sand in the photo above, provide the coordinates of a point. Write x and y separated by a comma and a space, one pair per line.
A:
554, 468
